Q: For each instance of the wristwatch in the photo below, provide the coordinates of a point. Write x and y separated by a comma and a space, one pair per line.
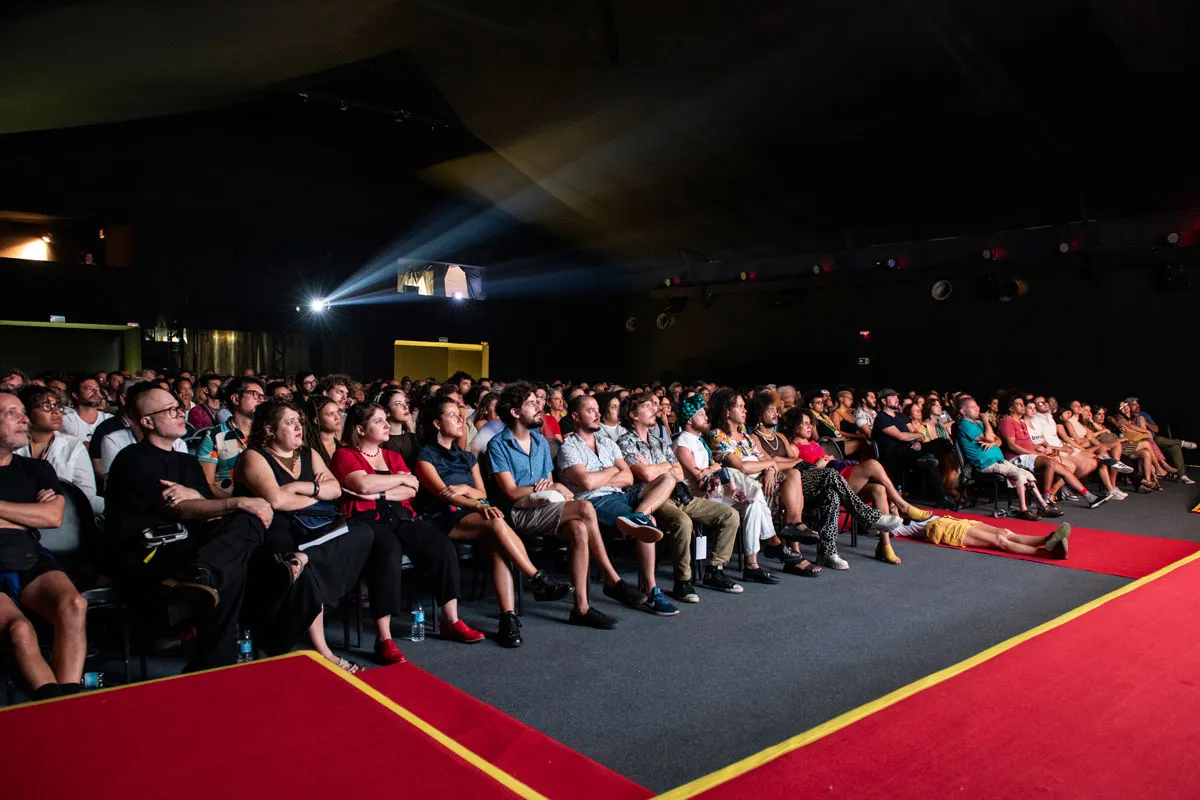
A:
316, 489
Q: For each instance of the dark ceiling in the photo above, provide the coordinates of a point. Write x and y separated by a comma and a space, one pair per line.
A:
639, 128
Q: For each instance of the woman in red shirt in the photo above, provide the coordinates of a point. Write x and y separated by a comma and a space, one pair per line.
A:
867, 479
378, 488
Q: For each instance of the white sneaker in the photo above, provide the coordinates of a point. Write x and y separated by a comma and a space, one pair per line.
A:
1186, 445
1122, 467
1117, 494
887, 522
833, 562
916, 529
1184, 479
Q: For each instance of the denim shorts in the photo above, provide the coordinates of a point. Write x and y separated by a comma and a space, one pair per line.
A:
611, 506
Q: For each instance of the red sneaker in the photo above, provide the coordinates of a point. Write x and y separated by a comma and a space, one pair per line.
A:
387, 652
460, 632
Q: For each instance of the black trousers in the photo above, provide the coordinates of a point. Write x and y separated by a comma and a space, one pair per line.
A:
226, 547
279, 622
429, 550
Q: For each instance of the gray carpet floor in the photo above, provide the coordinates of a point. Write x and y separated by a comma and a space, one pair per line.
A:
666, 700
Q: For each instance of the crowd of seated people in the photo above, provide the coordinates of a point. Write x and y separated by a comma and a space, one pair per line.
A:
260, 500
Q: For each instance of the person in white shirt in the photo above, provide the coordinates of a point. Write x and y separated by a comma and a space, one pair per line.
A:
1043, 431
610, 416
82, 421
64, 453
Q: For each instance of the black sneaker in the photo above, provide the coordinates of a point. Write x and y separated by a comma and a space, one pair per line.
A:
622, 592
685, 592
546, 588
759, 575
1100, 500
194, 587
1052, 511
592, 619
781, 552
715, 578
510, 630
795, 532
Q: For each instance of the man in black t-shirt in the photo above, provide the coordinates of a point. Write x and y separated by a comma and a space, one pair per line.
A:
155, 493
899, 448
31, 497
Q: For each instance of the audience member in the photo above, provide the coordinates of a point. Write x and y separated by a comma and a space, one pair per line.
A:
12, 379
66, 454
379, 489
982, 452
323, 431
31, 499
610, 415
337, 389
952, 532
1169, 452
82, 421
222, 445
453, 499
519, 458
278, 468
166, 531
1019, 448
650, 457
207, 412
593, 469
305, 387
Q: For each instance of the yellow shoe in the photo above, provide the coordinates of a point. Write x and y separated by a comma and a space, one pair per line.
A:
885, 553
918, 514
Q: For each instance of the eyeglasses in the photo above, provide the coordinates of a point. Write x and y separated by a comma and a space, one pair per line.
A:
254, 393
174, 412
49, 408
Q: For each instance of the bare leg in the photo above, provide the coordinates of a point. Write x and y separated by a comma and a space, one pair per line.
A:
316, 635
657, 492
502, 579
645, 559
992, 537
873, 472
55, 599
575, 532
475, 527
791, 494
19, 632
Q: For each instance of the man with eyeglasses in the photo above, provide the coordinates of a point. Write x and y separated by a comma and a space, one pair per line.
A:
115, 434
169, 536
82, 421
223, 445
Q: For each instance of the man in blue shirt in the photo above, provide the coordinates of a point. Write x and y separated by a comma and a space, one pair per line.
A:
519, 458
981, 450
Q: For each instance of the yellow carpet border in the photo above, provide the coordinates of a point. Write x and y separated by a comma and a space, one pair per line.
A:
738, 768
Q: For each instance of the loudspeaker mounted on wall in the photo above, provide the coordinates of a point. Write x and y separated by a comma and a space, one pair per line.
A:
631, 324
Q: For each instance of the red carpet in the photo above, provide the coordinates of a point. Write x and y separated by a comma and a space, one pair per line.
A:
545, 765
285, 727
1125, 555
1105, 705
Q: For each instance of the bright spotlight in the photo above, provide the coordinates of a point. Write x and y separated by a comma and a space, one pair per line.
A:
48, 238
318, 306
891, 262
458, 295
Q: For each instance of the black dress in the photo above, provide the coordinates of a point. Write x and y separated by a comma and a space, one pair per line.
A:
332, 571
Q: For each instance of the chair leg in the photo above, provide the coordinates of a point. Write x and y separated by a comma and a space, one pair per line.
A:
518, 587
124, 612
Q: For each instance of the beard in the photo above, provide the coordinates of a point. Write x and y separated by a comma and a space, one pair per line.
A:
586, 428
535, 423
90, 402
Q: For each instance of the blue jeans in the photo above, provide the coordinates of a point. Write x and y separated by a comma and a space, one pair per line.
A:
609, 507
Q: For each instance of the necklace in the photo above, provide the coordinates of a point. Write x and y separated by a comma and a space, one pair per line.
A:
765, 432
288, 462
369, 455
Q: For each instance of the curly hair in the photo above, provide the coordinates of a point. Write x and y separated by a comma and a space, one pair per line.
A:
511, 399
719, 405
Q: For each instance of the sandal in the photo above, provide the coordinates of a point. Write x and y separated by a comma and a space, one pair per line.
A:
293, 564
804, 568
885, 553
349, 666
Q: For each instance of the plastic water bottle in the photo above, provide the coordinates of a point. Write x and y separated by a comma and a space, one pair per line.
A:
245, 646
417, 630
92, 680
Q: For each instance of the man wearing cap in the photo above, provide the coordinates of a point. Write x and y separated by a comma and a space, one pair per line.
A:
899, 448
1172, 448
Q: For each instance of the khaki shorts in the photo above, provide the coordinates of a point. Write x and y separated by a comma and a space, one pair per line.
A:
539, 521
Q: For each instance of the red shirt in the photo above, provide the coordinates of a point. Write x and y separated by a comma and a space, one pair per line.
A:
550, 426
347, 460
1016, 430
